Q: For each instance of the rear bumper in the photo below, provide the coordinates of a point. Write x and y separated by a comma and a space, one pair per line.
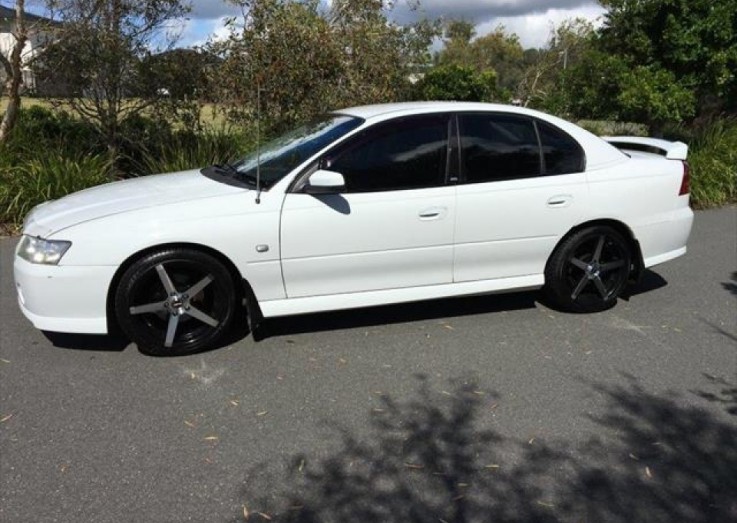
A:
666, 241
63, 299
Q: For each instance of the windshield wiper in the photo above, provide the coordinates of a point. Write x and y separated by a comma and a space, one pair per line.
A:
226, 167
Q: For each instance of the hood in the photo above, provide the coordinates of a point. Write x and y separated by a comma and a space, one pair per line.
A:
120, 197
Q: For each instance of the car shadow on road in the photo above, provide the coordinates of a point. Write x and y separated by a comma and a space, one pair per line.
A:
436, 457
400, 313
650, 281
89, 342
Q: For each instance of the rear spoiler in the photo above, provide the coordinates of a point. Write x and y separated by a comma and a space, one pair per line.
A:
671, 150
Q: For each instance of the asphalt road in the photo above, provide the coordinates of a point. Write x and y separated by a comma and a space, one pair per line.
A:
487, 408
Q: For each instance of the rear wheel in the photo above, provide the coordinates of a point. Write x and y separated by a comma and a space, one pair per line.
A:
176, 301
589, 270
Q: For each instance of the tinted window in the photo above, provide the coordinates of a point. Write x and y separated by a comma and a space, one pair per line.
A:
563, 154
499, 147
404, 154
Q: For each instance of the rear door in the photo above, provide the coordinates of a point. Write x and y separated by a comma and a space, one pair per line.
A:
393, 225
522, 187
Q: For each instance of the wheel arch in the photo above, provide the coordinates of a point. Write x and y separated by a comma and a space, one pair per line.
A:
638, 265
245, 296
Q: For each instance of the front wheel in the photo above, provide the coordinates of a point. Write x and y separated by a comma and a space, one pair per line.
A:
589, 270
175, 301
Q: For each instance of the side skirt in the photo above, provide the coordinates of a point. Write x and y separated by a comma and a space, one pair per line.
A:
288, 307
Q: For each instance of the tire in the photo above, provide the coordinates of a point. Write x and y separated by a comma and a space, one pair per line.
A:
588, 270
176, 301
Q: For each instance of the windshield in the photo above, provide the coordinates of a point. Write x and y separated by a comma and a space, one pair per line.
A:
281, 155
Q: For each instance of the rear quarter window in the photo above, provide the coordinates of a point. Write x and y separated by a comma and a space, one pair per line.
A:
561, 153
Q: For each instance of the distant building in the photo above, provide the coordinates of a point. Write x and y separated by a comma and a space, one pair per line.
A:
38, 38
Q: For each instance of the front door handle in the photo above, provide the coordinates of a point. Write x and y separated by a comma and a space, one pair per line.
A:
433, 213
560, 201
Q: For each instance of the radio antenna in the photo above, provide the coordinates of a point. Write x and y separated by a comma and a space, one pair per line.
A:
258, 143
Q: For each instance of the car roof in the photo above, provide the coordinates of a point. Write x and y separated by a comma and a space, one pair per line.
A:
368, 112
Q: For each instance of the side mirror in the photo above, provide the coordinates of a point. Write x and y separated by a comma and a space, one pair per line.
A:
325, 182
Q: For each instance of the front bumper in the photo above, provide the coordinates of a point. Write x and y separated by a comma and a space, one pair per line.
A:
63, 298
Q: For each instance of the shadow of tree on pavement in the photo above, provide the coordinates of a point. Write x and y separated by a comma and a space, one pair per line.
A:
726, 395
433, 458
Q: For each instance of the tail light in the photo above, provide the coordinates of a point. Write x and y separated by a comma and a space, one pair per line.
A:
686, 182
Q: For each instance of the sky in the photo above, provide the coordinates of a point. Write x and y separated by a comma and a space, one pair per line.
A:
531, 20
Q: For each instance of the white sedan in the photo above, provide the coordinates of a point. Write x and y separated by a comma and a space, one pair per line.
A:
363, 207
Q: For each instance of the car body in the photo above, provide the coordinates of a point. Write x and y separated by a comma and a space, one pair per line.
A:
390, 203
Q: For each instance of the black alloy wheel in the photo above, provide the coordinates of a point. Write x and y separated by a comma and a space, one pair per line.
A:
175, 302
589, 270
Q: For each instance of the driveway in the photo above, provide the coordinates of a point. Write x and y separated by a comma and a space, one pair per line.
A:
475, 409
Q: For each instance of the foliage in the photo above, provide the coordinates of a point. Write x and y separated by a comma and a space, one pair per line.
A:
40, 128
458, 83
178, 80
543, 84
52, 154
605, 86
713, 160
48, 175
189, 150
498, 52
96, 53
290, 61
695, 41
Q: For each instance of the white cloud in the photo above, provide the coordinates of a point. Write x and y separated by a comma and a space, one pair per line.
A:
532, 20
480, 11
534, 29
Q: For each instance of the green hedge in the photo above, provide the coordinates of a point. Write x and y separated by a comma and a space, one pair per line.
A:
713, 161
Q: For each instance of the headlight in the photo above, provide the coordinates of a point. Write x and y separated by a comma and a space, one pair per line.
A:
46, 252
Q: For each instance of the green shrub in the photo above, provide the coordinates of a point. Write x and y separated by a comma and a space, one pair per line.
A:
190, 150
713, 161
48, 176
40, 129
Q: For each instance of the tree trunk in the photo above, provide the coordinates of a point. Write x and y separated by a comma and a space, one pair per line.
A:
14, 70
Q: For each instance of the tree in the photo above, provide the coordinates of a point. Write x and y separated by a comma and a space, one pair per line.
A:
98, 47
607, 86
13, 69
497, 52
280, 62
543, 82
457, 83
180, 80
692, 41
293, 61
457, 43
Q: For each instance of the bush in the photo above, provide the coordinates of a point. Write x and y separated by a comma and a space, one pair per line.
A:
457, 83
48, 176
713, 161
190, 150
40, 129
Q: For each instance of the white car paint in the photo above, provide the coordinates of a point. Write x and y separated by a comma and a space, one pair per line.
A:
371, 241
391, 247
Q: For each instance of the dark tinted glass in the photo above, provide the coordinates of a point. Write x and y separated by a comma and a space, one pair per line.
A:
499, 147
405, 154
562, 153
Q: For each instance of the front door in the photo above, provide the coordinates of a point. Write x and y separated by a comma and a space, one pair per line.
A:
392, 227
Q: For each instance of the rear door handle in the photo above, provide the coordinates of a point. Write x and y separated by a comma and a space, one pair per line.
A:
433, 213
560, 201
